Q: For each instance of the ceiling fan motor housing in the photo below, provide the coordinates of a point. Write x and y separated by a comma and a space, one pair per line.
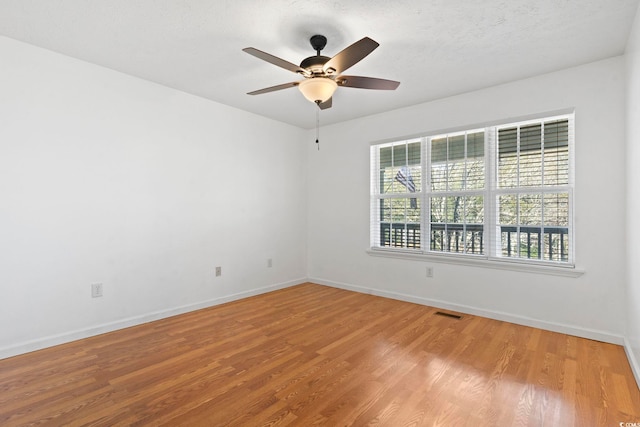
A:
314, 63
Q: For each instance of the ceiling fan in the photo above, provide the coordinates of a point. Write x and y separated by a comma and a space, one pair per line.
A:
322, 75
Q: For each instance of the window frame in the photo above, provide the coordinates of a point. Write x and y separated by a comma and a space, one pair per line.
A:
386, 195
429, 192
491, 227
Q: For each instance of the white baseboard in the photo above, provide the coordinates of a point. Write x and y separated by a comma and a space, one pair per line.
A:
497, 315
633, 361
40, 343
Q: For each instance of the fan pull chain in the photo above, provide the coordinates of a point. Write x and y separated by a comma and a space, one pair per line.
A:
318, 126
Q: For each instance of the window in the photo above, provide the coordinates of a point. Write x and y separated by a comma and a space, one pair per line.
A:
456, 192
497, 192
400, 172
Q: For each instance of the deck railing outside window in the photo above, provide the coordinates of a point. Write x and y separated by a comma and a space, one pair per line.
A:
549, 243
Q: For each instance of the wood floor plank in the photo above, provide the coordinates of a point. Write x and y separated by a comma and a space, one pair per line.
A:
314, 355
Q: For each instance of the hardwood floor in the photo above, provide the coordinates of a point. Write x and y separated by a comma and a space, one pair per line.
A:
314, 355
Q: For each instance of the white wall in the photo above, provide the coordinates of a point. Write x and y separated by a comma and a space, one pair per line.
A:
591, 305
633, 197
108, 178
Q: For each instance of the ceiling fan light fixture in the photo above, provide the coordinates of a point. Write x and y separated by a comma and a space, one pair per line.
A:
318, 89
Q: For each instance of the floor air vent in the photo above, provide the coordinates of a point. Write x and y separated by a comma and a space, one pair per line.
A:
453, 316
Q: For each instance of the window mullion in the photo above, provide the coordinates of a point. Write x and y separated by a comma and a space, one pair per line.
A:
464, 199
426, 192
490, 202
542, 194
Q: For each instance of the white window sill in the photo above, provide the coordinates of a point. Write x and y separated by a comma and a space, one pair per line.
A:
475, 261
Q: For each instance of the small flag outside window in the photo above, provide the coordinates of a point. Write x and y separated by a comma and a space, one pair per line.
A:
404, 177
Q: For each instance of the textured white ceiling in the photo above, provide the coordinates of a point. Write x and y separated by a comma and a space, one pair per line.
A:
435, 48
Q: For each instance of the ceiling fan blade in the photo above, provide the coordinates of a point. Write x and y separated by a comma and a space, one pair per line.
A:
273, 88
326, 104
275, 60
367, 83
350, 56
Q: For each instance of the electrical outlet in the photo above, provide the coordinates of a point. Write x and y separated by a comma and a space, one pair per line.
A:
429, 271
218, 271
96, 290
269, 262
